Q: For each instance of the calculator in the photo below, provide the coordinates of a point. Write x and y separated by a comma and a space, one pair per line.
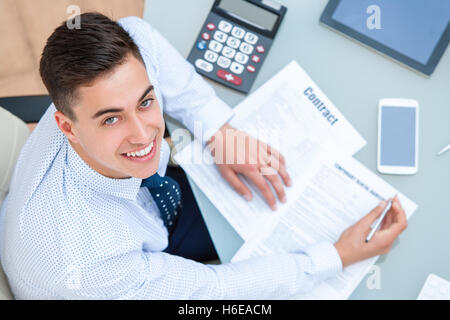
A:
235, 39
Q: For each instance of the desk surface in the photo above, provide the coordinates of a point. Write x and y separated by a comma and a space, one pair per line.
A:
354, 78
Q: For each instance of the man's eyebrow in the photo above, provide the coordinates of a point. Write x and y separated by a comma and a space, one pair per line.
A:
146, 92
112, 110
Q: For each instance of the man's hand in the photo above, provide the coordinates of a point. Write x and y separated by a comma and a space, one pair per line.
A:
352, 246
235, 152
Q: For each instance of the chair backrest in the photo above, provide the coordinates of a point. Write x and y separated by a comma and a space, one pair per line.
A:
13, 134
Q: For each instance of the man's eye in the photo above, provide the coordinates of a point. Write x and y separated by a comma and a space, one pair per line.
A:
146, 103
110, 121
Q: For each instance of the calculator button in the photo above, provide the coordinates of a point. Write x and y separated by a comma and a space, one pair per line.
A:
223, 62
206, 36
251, 38
228, 52
238, 32
225, 26
215, 46
251, 68
203, 65
229, 77
260, 49
201, 45
256, 59
233, 42
220, 36
210, 26
237, 68
246, 48
211, 56
241, 58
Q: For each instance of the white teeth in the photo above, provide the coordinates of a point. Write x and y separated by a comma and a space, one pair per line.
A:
142, 152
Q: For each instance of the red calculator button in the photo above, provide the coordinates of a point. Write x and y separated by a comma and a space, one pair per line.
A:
251, 68
256, 59
206, 36
260, 49
229, 77
210, 26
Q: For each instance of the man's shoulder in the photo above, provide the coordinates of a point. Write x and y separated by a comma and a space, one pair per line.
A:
49, 192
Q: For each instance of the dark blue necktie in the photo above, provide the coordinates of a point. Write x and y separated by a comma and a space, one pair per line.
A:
167, 194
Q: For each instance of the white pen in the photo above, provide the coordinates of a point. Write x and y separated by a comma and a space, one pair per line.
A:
377, 224
445, 149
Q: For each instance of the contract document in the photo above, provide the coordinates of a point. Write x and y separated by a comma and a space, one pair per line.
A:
337, 194
291, 114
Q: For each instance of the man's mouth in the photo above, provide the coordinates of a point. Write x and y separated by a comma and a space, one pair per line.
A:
143, 154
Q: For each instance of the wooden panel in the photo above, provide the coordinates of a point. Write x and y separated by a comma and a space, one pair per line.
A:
24, 28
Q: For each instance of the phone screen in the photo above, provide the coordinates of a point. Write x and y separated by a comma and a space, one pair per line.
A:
398, 136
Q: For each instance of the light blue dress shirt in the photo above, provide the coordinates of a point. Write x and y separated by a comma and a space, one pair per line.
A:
67, 232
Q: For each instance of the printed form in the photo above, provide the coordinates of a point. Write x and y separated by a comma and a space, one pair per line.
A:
290, 113
339, 193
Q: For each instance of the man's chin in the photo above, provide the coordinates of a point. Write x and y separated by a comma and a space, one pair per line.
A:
144, 174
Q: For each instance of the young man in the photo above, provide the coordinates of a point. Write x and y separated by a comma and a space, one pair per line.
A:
84, 218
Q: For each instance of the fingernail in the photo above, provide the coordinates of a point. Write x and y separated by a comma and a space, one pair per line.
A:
247, 197
289, 183
283, 199
274, 207
382, 203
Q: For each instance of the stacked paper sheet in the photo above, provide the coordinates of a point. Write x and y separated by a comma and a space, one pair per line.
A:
331, 190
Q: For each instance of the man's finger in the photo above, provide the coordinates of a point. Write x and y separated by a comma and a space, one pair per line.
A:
258, 180
370, 218
399, 222
277, 154
275, 180
280, 168
234, 180
387, 221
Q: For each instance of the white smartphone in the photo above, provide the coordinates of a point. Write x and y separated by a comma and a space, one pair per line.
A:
398, 136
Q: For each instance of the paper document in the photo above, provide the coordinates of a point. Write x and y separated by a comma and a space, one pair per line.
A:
290, 113
337, 194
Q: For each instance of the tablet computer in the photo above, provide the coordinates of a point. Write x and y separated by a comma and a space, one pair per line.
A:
415, 33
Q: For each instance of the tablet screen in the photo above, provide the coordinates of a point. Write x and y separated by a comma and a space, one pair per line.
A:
412, 28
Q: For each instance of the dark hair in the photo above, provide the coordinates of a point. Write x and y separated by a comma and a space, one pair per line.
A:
77, 56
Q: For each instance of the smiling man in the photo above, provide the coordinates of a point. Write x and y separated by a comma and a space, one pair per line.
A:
88, 217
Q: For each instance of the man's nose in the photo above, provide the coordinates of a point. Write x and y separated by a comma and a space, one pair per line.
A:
138, 131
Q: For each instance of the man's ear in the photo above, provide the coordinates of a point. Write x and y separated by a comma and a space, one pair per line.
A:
66, 126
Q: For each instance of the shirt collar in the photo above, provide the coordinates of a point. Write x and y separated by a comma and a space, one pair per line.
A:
88, 177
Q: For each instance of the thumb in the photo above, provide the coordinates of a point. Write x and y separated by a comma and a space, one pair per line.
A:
373, 215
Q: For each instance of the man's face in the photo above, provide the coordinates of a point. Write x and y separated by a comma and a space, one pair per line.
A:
117, 116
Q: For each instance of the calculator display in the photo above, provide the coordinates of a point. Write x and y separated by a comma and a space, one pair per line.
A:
250, 13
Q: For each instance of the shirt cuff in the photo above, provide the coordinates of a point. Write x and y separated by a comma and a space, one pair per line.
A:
212, 117
325, 260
